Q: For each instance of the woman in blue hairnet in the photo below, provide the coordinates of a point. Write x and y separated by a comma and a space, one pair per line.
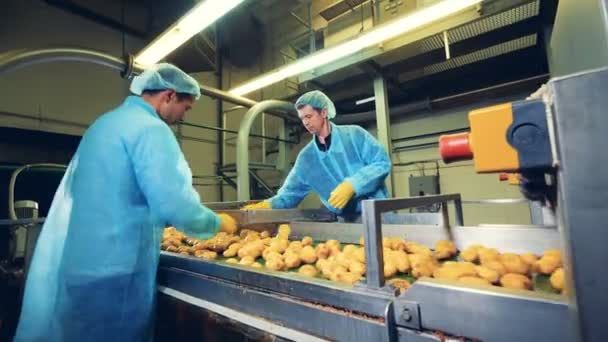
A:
93, 275
343, 164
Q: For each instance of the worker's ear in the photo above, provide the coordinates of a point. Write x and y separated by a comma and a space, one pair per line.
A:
323, 113
168, 95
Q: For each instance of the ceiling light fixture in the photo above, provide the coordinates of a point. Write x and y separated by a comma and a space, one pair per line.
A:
196, 20
394, 28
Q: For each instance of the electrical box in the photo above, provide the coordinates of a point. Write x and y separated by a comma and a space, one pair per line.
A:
424, 185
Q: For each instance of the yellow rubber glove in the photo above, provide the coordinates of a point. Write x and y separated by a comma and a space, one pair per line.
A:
227, 223
257, 206
341, 195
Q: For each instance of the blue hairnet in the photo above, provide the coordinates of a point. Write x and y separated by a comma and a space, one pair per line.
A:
317, 99
164, 76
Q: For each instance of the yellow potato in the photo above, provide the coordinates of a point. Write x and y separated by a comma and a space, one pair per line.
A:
397, 244
401, 260
547, 264
415, 248
185, 249
487, 273
401, 284
356, 267
444, 249
529, 258
342, 259
557, 279
295, 245
452, 273
516, 281
256, 265
232, 261
470, 254
514, 264
278, 246
292, 260
322, 251
265, 234
307, 241
416, 259
331, 243
320, 263
334, 250
554, 253
283, 232
308, 270
469, 266
247, 261
308, 255
348, 249
275, 264
389, 269
172, 249
423, 270
359, 255
232, 250
348, 277
488, 254
496, 266
474, 280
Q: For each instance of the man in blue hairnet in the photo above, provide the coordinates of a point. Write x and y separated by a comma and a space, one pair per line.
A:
343, 164
93, 275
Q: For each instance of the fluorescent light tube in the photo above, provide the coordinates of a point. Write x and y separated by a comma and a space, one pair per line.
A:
374, 36
365, 100
197, 19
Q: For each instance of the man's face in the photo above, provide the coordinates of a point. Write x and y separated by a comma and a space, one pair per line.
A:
312, 119
173, 109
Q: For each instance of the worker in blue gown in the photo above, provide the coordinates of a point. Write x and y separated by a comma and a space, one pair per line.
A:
93, 274
343, 164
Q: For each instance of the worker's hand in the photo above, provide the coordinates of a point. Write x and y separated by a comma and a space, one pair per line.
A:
341, 195
227, 223
256, 206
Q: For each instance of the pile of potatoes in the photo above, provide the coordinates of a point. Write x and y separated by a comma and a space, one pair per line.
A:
479, 265
483, 265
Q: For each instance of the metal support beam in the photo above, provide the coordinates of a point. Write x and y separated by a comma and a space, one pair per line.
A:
375, 70
579, 113
383, 123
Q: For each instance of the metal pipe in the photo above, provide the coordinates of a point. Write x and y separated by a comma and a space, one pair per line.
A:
16, 59
495, 87
219, 129
242, 150
312, 42
11, 186
220, 115
432, 134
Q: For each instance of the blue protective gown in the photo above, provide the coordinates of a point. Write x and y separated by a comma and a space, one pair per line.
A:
354, 155
93, 275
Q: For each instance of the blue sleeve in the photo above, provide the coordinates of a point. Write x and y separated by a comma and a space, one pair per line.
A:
166, 181
293, 190
377, 164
